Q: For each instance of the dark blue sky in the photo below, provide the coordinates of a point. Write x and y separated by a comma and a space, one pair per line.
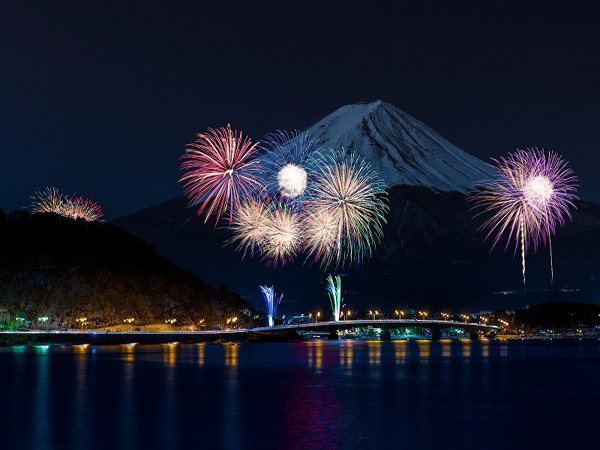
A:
100, 97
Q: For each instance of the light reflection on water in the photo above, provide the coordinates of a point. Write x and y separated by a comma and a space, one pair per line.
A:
309, 394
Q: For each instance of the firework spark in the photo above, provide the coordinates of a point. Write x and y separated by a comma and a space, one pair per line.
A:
47, 201
290, 163
221, 169
550, 191
334, 290
82, 208
250, 223
346, 211
271, 301
51, 200
530, 195
283, 235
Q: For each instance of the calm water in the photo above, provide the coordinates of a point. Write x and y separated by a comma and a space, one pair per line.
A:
303, 395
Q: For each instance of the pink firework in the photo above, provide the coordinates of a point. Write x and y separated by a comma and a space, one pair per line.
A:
529, 196
221, 169
82, 208
550, 191
50, 200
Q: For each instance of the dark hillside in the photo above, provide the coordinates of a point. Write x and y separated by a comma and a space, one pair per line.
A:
66, 269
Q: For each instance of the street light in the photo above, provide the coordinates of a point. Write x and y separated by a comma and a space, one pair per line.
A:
43, 319
82, 320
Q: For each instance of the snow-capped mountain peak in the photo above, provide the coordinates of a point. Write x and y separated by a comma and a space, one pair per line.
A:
401, 148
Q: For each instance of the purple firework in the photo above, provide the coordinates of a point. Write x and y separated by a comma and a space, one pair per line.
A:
550, 191
529, 196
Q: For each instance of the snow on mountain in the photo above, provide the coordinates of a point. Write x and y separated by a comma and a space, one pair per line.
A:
401, 148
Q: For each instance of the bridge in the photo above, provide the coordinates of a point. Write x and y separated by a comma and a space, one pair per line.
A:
278, 332
435, 326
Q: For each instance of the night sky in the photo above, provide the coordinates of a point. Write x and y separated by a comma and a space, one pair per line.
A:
100, 97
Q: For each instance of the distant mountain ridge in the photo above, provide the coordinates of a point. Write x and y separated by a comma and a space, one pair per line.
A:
403, 150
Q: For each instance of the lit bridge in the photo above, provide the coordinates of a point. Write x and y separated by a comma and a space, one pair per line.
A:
278, 332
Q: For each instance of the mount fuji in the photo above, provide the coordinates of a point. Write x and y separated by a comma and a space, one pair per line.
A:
403, 150
431, 254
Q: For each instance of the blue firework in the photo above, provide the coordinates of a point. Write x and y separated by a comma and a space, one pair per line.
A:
290, 163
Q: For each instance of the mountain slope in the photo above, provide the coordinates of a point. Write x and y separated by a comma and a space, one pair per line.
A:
402, 149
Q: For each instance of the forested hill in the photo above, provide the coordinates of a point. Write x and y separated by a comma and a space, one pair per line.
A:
67, 269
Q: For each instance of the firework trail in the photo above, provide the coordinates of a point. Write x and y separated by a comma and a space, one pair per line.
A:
290, 163
346, 210
47, 201
51, 200
272, 302
220, 169
334, 290
550, 191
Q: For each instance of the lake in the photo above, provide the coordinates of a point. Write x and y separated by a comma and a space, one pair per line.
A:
303, 395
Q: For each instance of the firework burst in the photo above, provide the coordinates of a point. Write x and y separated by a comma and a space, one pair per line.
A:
530, 195
290, 163
82, 208
283, 235
550, 191
271, 301
221, 169
346, 211
51, 200
47, 201
250, 223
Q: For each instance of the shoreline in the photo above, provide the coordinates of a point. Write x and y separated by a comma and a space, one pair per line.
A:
30, 338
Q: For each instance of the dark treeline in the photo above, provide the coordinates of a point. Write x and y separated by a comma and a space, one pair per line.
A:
558, 315
66, 269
